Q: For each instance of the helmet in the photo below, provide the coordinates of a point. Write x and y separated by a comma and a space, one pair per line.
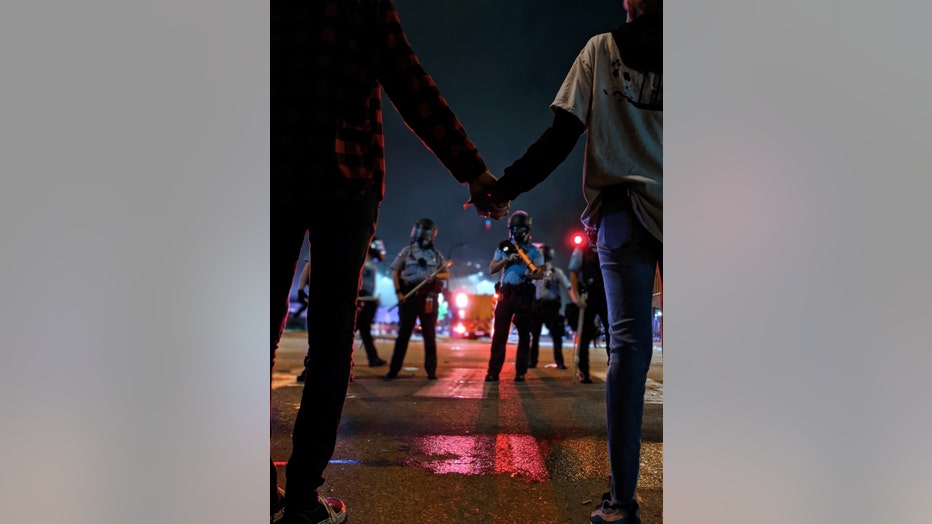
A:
424, 232
548, 252
519, 225
377, 249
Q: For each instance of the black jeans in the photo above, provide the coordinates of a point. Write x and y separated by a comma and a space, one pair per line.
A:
596, 305
517, 307
409, 312
364, 319
339, 241
547, 313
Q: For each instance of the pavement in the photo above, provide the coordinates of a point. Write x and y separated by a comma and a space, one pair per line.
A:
461, 450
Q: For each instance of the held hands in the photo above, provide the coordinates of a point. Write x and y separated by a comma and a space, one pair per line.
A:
484, 194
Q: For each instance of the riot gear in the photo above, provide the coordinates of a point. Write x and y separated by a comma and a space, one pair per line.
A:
377, 249
424, 232
418, 273
519, 225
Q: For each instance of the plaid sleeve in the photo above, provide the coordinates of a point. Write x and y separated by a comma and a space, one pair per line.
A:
413, 93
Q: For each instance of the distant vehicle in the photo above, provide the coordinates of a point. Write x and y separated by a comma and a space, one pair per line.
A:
471, 315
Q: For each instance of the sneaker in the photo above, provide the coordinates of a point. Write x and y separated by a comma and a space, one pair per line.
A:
491, 378
377, 363
607, 513
278, 507
330, 510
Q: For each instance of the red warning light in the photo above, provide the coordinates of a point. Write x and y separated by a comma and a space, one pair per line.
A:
578, 239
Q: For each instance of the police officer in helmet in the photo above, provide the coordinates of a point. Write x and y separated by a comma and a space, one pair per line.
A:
548, 308
368, 302
519, 262
418, 263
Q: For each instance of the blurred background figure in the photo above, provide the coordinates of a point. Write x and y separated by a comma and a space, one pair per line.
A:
548, 309
588, 287
368, 302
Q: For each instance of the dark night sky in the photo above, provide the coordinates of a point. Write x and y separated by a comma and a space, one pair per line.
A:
499, 64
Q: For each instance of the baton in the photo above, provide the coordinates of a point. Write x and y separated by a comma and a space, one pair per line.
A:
507, 246
430, 276
579, 328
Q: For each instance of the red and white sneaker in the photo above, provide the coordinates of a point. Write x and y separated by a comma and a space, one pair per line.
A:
330, 510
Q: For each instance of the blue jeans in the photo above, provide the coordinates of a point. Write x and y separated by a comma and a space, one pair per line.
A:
629, 256
340, 229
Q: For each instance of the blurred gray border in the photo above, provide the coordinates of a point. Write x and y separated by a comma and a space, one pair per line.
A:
796, 338
135, 228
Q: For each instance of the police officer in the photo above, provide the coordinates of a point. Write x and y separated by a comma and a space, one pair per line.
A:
548, 308
588, 287
418, 262
520, 264
368, 302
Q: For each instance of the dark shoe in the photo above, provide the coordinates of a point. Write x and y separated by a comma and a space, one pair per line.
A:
585, 380
606, 513
391, 375
519, 378
329, 510
431, 377
491, 378
278, 507
377, 363
561, 366
531, 366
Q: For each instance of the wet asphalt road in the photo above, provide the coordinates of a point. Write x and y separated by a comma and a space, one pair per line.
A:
460, 450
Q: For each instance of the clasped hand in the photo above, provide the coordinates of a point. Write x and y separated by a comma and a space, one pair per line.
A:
484, 194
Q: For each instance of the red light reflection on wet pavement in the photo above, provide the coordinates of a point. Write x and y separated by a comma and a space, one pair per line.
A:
506, 454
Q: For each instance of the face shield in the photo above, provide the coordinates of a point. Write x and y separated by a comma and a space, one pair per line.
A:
377, 249
520, 233
519, 225
424, 232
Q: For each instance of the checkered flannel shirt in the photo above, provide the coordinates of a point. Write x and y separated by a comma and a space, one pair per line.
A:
329, 58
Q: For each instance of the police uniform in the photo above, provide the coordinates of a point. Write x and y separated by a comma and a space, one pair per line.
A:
584, 262
368, 302
548, 310
412, 266
516, 298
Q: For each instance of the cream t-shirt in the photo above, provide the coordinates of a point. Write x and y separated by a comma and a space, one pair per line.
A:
623, 113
